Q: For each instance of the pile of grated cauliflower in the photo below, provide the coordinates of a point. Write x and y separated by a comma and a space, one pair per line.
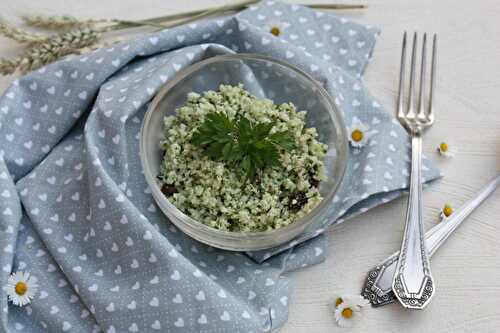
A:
215, 194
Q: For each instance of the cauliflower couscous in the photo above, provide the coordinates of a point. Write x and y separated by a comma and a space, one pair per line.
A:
215, 193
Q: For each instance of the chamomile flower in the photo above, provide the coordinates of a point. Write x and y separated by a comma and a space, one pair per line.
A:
21, 288
359, 133
446, 150
446, 211
348, 309
276, 28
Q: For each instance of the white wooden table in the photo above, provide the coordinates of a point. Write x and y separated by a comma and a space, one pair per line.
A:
467, 268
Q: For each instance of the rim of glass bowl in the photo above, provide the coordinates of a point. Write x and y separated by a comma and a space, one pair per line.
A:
302, 222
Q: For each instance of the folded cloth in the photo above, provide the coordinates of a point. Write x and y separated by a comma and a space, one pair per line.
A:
76, 211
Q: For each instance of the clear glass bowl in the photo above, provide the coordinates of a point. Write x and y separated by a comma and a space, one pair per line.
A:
263, 77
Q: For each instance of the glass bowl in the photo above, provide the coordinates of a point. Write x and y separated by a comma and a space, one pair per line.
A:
263, 77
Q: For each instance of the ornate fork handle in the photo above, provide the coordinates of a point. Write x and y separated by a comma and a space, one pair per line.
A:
377, 288
413, 284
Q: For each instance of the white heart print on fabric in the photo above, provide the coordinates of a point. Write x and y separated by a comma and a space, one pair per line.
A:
110, 261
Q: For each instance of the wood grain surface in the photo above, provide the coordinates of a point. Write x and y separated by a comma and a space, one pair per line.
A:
467, 268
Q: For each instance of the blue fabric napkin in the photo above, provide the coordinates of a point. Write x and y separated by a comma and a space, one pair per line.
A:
75, 210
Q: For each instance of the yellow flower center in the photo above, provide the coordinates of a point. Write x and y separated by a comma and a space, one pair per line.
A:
21, 288
275, 31
357, 135
347, 313
443, 147
447, 210
338, 301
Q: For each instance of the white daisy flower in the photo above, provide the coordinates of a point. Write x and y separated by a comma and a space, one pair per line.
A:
348, 309
446, 211
346, 314
359, 133
21, 288
276, 28
444, 149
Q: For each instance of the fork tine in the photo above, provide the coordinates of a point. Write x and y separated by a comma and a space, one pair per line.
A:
433, 79
400, 107
411, 98
421, 97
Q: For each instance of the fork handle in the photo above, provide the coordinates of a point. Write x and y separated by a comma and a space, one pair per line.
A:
412, 283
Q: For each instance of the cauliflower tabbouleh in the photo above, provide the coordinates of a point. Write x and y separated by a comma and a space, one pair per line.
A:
215, 193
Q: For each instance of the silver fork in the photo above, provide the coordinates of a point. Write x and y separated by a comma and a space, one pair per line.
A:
412, 283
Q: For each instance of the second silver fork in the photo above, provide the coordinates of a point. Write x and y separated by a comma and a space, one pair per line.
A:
413, 284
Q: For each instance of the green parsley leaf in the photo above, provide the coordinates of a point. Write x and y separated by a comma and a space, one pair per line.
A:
241, 143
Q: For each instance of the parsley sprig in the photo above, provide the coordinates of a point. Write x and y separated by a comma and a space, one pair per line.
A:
241, 142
